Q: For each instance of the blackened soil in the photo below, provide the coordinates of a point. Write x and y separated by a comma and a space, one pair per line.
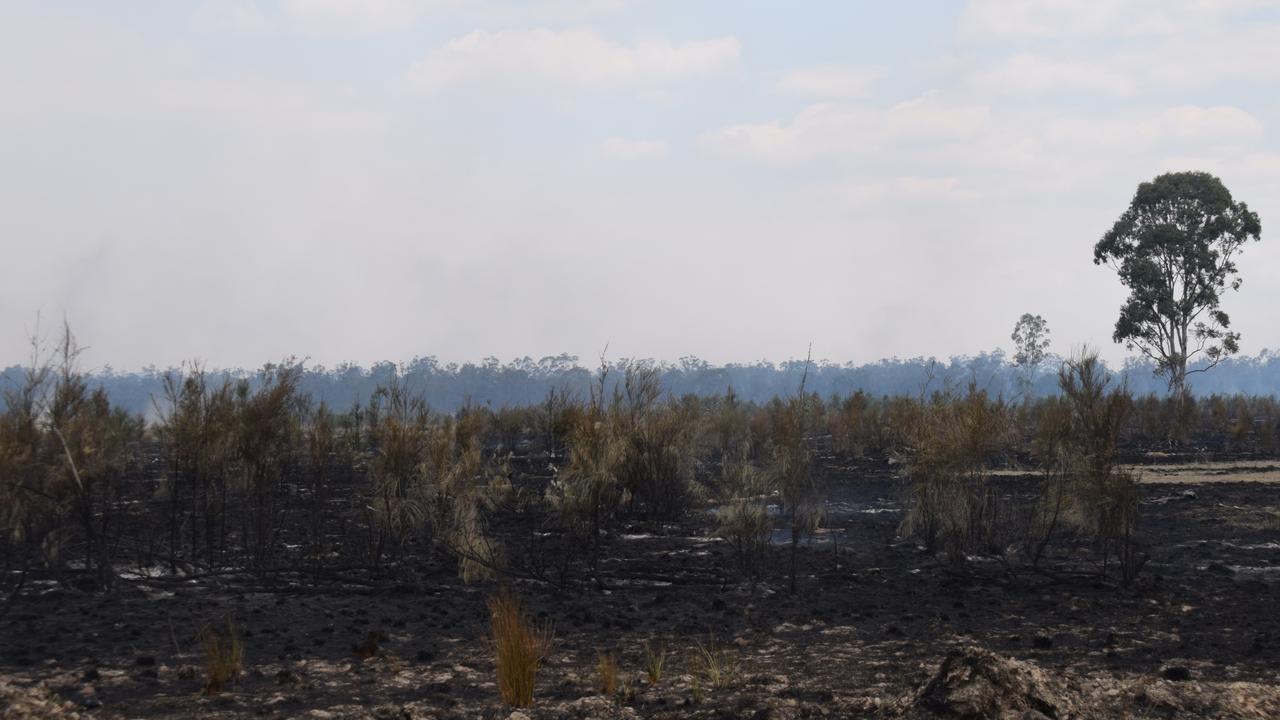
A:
872, 618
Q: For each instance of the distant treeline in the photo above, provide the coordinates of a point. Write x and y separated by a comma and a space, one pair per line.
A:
449, 386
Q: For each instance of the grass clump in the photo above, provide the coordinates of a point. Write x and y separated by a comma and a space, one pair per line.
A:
607, 670
655, 662
519, 647
714, 664
223, 657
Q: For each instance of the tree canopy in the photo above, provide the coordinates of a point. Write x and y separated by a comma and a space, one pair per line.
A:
1175, 249
1030, 340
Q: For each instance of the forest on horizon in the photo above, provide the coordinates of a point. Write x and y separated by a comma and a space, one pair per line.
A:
525, 381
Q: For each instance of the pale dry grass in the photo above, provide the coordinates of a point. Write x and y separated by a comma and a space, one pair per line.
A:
1227, 471
1230, 471
519, 646
1266, 518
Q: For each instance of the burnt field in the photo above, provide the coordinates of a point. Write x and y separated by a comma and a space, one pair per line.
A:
874, 616
634, 554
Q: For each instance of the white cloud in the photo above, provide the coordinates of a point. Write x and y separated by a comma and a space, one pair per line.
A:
629, 149
937, 146
566, 60
1032, 73
383, 16
892, 189
930, 118
363, 16
830, 81
1122, 49
1221, 124
244, 16
771, 143
572, 11
1184, 63
1040, 19
1139, 136
826, 130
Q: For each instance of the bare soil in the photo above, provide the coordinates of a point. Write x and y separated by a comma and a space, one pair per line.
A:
869, 634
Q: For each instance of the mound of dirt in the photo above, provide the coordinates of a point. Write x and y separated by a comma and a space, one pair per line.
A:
976, 683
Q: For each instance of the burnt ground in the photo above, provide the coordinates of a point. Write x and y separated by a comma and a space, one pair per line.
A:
1197, 636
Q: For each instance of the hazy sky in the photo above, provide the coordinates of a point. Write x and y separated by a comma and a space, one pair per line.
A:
354, 180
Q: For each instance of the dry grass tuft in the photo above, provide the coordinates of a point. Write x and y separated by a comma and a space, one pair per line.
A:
714, 664
223, 657
655, 662
519, 647
607, 669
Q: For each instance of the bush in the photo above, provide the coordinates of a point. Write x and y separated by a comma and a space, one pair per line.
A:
197, 432
268, 445
730, 424
852, 424
742, 517
951, 506
23, 506
585, 494
399, 429
1104, 496
658, 450
63, 454
800, 489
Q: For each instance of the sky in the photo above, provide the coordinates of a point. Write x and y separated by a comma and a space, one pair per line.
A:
240, 181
